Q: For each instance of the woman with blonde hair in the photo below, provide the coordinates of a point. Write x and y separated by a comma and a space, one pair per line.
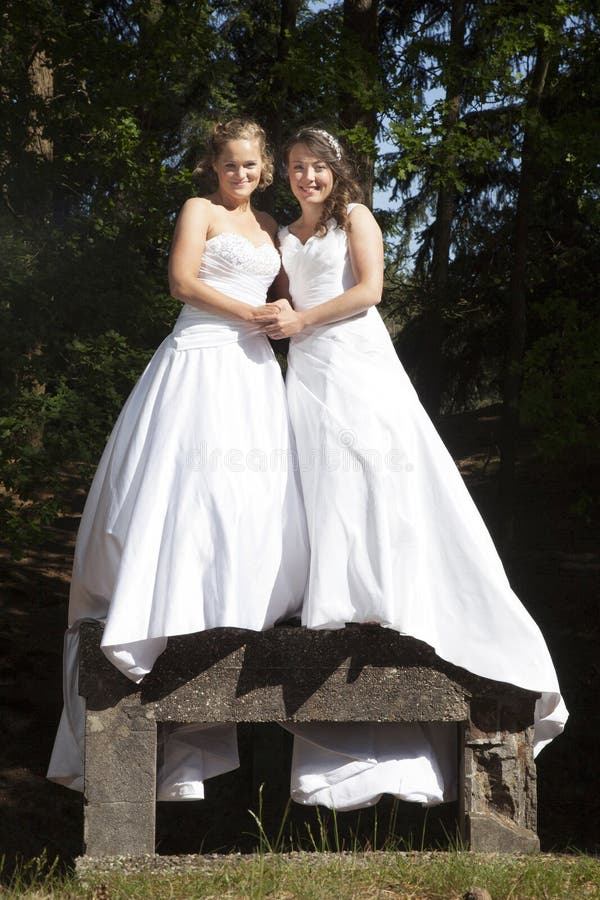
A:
194, 505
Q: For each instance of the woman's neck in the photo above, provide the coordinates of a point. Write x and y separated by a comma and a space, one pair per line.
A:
231, 204
309, 217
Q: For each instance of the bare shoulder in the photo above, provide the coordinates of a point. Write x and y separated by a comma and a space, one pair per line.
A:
365, 243
197, 206
194, 220
363, 230
197, 211
266, 221
362, 216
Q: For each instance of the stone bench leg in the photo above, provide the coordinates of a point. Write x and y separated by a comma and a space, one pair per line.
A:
499, 797
120, 780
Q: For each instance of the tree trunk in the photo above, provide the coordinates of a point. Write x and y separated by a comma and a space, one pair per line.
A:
41, 79
359, 66
446, 199
518, 297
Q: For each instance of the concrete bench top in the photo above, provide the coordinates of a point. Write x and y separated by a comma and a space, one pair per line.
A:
292, 674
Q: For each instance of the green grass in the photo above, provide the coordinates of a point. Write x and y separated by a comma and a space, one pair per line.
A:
314, 864
325, 834
319, 876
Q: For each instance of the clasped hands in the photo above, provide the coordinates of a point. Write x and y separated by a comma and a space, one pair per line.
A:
278, 319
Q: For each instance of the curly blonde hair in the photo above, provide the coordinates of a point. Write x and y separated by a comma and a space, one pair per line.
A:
237, 130
345, 186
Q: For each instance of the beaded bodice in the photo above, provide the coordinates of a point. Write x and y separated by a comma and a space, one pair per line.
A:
238, 268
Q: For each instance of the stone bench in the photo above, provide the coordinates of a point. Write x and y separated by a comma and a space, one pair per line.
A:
361, 673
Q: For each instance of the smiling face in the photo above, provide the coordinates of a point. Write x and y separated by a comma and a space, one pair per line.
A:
311, 178
238, 168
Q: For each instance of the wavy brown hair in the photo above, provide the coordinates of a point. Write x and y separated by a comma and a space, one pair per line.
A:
237, 130
345, 186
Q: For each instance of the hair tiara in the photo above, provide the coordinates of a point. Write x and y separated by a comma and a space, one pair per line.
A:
334, 144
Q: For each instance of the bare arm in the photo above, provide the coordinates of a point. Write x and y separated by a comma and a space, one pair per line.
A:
365, 245
187, 248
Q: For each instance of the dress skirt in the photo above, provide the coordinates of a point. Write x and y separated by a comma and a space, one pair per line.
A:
189, 521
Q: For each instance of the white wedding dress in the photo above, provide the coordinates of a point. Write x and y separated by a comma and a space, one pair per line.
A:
194, 518
395, 538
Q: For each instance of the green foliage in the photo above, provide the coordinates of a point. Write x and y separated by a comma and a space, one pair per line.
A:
92, 179
59, 419
561, 391
480, 158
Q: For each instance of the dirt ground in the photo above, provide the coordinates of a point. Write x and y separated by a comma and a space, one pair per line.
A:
554, 567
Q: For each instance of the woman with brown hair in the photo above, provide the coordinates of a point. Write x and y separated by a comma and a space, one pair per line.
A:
194, 502
395, 538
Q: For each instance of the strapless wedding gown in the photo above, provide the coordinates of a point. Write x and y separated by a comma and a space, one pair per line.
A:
395, 538
194, 518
